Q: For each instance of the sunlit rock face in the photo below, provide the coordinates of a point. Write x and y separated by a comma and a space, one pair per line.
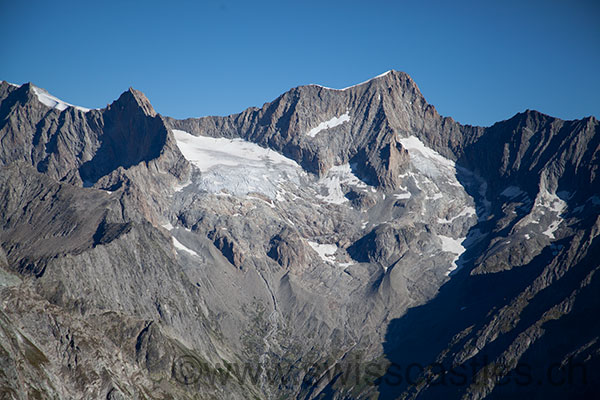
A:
139, 253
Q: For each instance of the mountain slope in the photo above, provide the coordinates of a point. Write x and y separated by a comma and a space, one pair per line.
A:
329, 227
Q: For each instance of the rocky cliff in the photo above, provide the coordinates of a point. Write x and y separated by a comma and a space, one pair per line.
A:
267, 253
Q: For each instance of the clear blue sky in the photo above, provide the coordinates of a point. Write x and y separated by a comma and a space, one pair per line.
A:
477, 61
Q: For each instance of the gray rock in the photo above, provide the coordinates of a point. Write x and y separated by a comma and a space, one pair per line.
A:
288, 249
117, 255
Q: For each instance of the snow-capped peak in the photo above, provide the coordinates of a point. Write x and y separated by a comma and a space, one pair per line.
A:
358, 84
54, 102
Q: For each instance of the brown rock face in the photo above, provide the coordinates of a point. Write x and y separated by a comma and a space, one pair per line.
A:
109, 148
288, 249
76, 146
228, 247
384, 162
132, 112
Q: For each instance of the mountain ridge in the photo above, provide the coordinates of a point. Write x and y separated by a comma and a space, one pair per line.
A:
153, 241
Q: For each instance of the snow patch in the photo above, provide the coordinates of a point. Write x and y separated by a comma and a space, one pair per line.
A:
436, 177
279, 195
466, 212
270, 204
179, 188
552, 202
179, 246
335, 121
552, 228
358, 84
545, 202
207, 152
454, 246
413, 144
54, 102
334, 191
346, 175
436, 196
325, 251
368, 80
333, 180
402, 196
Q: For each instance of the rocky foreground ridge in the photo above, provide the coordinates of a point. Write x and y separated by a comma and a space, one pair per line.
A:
355, 230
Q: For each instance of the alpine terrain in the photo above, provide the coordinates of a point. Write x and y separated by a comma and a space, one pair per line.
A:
335, 243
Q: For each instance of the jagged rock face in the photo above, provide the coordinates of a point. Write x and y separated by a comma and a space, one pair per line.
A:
530, 145
65, 144
363, 122
327, 226
384, 245
288, 249
228, 247
132, 112
30, 201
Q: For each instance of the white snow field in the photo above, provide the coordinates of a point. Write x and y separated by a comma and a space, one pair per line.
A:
236, 166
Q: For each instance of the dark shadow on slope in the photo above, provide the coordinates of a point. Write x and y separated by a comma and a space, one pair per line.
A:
415, 340
565, 361
467, 303
464, 305
131, 134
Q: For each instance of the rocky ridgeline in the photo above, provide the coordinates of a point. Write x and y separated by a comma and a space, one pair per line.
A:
327, 226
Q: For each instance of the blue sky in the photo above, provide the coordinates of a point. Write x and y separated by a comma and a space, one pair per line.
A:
477, 61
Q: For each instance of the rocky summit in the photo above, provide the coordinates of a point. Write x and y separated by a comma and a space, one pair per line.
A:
335, 243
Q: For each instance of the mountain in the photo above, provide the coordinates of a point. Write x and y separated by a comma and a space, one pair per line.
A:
332, 244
